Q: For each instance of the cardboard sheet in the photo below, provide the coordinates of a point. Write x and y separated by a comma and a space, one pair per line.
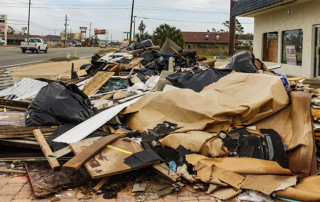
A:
241, 165
237, 98
214, 148
267, 184
294, 125
192, 140
307, 190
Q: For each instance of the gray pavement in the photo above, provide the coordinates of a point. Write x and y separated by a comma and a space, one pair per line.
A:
10, 57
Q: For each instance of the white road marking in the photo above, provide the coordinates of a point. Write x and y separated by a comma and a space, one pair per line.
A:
14, 66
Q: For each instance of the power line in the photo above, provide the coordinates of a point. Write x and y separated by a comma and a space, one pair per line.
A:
147, 18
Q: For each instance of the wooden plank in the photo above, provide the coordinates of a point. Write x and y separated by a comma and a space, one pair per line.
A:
67, 150
86, 154
110, 161
272, 51
164, 170
46, 149
96, 82
101, 183
134, 62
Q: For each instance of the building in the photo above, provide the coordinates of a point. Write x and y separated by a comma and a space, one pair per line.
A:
77, 36
56, 40
13, 39
286, 32
206, 40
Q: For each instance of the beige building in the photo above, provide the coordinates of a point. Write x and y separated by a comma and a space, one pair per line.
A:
286, 32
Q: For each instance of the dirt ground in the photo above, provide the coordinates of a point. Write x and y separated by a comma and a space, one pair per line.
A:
49, 70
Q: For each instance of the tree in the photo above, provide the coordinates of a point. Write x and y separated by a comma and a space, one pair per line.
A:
142, 27
239, 27
142, 36
165, 31
10, 30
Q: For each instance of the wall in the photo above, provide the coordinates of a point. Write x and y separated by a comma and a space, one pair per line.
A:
210, 45
303, 16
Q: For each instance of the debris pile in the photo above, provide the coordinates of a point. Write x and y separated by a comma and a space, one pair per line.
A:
237, 131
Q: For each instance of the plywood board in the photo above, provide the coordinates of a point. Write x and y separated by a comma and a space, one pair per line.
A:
96, 82
272, 51
88, 152
108, 161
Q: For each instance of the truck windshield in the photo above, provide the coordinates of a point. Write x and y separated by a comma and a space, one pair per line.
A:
34, 40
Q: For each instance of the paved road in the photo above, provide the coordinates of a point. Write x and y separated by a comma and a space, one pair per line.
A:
11, 57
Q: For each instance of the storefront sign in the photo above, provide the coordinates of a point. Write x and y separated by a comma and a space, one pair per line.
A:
291, 55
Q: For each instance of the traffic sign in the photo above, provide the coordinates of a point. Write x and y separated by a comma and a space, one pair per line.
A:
127, 32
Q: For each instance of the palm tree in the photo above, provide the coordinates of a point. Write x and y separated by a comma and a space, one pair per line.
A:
165, 31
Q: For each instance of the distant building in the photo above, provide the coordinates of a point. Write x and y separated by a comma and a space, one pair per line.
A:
55, 40
76, 36
285, 32
13, 39
207, 40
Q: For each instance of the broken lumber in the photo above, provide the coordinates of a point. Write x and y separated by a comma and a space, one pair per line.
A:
81, 158
96, 82
165, 170
21, 131
67, 150
101, 183
16, 105
177, 53
46, 149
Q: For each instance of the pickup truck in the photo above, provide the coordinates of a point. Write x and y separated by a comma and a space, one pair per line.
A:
35, 45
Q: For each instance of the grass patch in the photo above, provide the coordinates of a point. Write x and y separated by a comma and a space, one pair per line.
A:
59, 59
104, 51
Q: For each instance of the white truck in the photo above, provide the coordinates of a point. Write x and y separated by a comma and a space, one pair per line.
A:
34, 45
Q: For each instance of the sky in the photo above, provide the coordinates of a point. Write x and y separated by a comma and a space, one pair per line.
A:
48, 16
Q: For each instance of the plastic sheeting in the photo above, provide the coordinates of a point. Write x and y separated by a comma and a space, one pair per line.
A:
197, 80
58, 103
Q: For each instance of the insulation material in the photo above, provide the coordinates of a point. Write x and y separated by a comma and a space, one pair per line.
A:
237, 98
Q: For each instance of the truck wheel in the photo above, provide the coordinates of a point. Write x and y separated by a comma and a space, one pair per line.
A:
45, 51
37, 51
32, 51
23, 51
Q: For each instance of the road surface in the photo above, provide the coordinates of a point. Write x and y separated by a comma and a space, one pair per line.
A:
13, 57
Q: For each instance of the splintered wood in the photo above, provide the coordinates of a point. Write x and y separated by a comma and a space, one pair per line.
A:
46, 149
96, 82
87, 153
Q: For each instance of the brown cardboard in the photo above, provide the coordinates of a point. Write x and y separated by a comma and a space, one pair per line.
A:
267, 184
237, 98
241, 165
214, 148
294, 125
192, 140
307, 190
225, 193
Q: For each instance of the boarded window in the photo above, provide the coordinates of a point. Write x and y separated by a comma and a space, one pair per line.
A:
270, 47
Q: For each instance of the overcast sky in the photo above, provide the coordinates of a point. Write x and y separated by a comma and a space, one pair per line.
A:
47, 16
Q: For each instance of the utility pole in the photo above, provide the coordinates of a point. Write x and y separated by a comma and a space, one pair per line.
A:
232, 31
28, 22
65, 31
131, 22
134, 28
90, 34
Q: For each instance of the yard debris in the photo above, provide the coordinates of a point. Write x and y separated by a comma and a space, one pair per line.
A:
167, 118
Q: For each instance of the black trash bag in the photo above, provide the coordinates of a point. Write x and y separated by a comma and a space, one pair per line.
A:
148, 57
85, 66
198, 79
152, 66
145, 43
242, 62
58, 103
143, 74
162, 63
189, 53
95, 58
